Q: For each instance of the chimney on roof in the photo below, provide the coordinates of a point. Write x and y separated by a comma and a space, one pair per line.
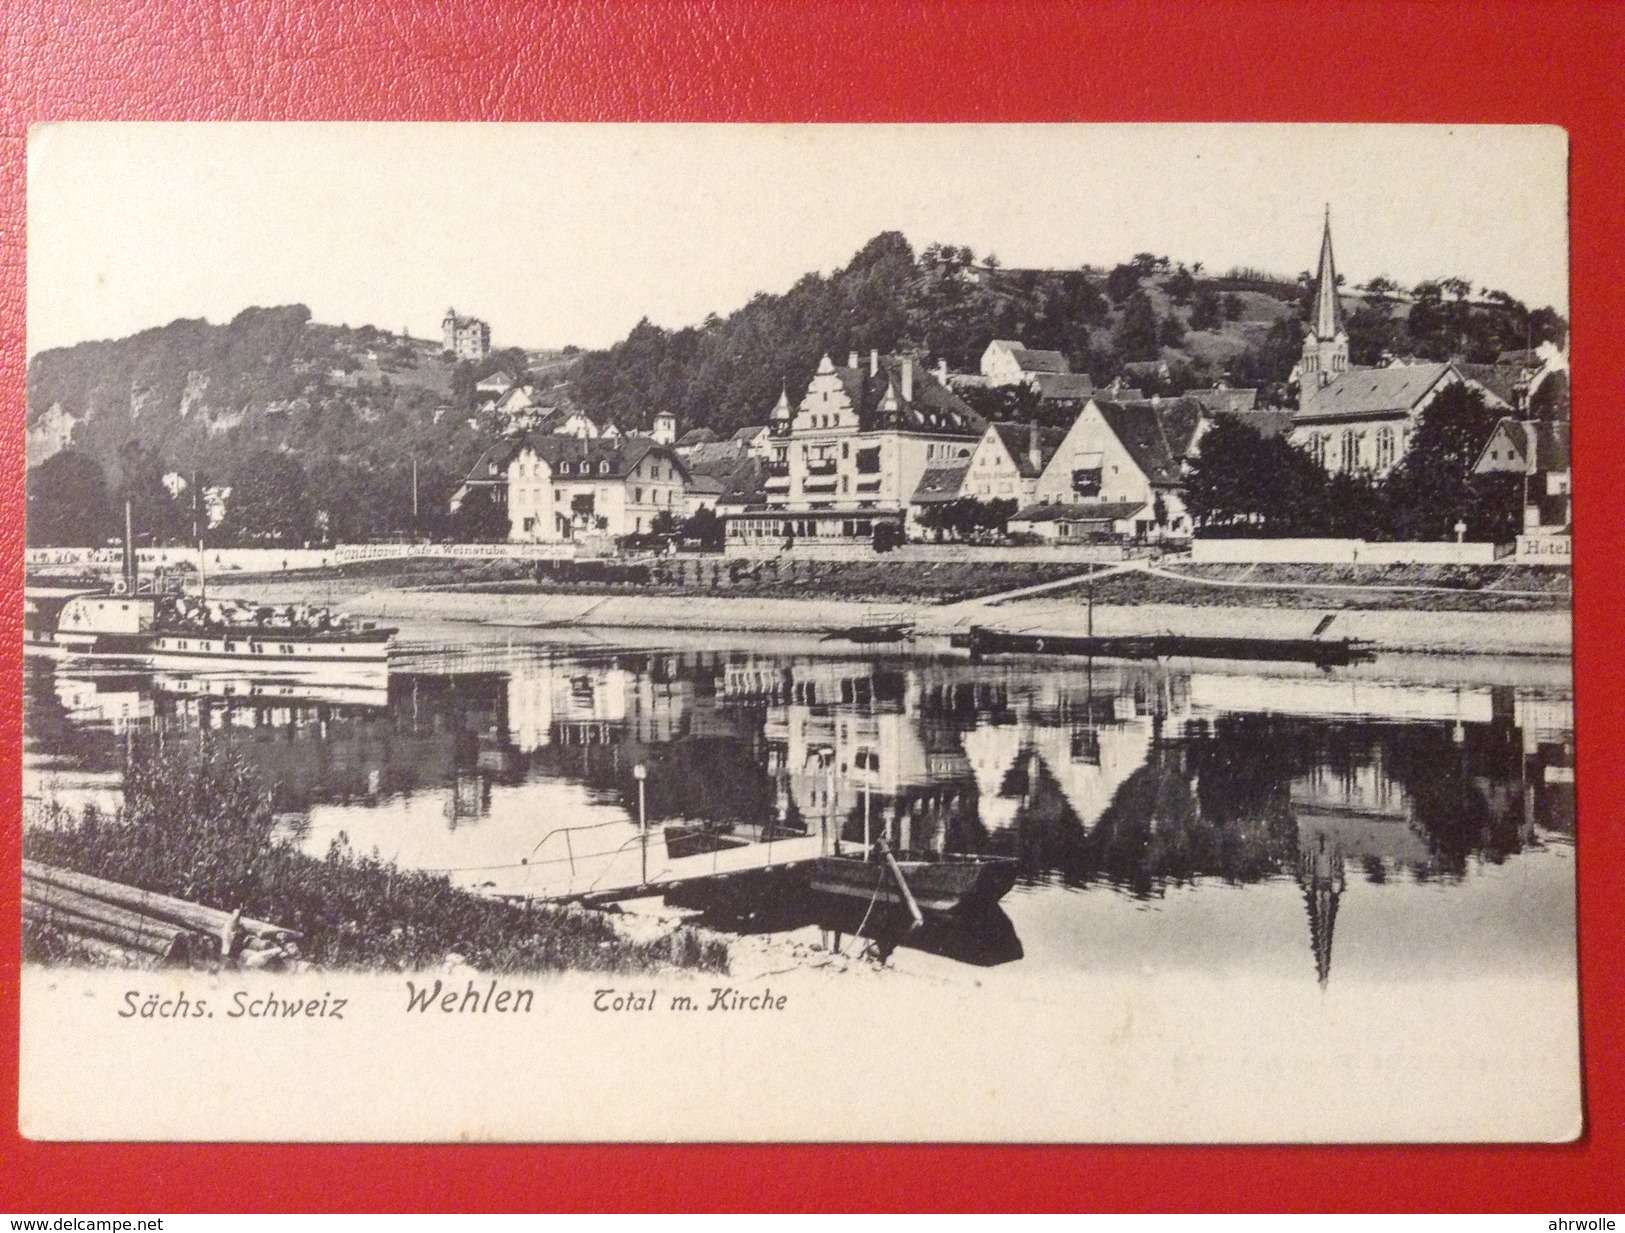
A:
852, 359
908, 378
1034, 454
874, 362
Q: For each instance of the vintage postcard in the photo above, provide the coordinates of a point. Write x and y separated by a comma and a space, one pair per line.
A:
982, 633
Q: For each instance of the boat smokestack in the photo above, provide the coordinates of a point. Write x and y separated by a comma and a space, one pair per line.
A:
129, 550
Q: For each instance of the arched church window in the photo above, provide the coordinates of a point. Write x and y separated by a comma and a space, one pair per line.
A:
1385, 448
1350, 455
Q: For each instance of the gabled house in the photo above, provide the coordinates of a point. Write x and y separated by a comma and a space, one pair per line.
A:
1120, 467
564, 488
1009, 459
850, 457
568, 422
694, 437
496, 385
940, 483
489, 473
1008, 362
1539, 451
755, 440
1221, 399
1062, 389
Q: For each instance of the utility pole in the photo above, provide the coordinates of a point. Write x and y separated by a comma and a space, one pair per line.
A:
641, 773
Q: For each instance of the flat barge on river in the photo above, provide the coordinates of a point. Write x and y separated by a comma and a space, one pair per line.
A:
1325, 652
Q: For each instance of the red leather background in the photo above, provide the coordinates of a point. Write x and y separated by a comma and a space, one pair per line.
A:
479, 60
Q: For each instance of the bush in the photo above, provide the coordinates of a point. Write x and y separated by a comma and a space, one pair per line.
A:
888, 535
197, 824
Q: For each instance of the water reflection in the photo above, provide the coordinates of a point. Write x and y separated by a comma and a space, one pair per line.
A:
508, 768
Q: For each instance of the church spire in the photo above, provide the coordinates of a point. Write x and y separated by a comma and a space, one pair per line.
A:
1326, 343
1328, 315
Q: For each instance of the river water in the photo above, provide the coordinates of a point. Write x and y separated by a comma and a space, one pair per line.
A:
1407, 818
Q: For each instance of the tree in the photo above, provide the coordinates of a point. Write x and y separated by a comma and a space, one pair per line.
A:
1205, 308
268, 500
707, 527
1433, 486
156, 514
1122, 282
68, 505
480, 519
1136, 334
1181, 285
1372, 334
888, 535
1242, 482
1172, 331
1233, 307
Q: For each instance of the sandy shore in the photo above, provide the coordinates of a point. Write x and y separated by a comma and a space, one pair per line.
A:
1447, 633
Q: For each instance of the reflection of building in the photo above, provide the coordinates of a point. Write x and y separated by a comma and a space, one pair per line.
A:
1133, 774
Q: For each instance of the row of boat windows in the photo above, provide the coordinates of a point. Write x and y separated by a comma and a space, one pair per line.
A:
254, 648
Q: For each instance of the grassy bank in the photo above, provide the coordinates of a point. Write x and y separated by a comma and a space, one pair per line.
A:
196, 824
1416, 588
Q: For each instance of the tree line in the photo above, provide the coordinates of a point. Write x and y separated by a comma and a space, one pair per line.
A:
1244, 484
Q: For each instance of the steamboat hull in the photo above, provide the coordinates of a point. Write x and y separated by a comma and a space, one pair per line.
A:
945, 886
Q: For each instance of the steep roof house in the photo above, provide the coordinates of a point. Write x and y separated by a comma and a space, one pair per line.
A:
852, 454
1120, 470
1009, 459
1009, 362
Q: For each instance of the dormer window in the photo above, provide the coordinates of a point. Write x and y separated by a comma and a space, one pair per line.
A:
603, 467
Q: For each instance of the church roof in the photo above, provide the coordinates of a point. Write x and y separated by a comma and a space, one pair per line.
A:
1370, 393
1327, 319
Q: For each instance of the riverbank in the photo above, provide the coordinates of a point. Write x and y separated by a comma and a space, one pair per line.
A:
197, 824
1248, 614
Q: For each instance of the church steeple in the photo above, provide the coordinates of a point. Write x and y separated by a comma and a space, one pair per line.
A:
1328, 315
1326, 345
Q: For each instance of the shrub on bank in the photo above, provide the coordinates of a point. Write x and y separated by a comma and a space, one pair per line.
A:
196, 824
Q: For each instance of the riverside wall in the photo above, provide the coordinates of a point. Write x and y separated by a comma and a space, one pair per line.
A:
1453, 633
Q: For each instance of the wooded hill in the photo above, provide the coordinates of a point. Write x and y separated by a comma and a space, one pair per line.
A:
355, 407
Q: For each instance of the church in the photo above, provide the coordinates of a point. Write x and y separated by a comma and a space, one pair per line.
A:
1353, 419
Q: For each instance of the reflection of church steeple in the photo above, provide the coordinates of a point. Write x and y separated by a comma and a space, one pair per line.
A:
1320, 874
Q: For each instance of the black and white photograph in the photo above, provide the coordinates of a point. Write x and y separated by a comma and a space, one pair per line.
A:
990, 633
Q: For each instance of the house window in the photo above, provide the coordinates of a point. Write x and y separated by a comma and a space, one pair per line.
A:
637, 496
869, 461
1086, 481
1385, 448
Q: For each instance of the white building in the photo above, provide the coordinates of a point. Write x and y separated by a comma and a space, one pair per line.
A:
851, 456
565, 488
